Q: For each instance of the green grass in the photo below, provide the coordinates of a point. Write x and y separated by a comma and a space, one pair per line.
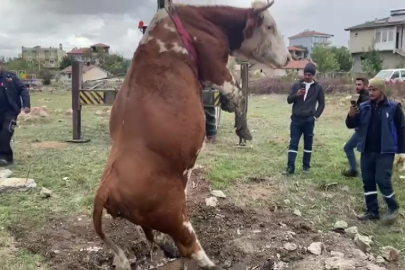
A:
228, 166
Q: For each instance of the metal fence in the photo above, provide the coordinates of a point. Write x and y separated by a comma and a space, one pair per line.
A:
351, 76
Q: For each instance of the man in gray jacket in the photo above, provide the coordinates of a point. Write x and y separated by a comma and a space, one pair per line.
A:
304, 96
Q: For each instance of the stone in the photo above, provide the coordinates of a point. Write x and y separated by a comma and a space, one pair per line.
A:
287, 201
390, 254
339, 263
290, 246
5, 173
371, 266
13, 184
315, 248
45, 193
379, 259
297, 212
363, 242
337, 254
352, 231
218, 194
211, 201
340, 225
357, 253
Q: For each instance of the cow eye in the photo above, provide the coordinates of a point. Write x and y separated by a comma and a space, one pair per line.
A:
269, 27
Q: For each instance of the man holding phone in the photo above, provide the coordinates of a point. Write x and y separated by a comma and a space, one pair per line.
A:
361, 85
381, 130
304, 96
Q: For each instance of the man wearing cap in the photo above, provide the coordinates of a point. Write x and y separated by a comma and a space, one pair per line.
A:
361, 89
13, 96
304, 95
381, 129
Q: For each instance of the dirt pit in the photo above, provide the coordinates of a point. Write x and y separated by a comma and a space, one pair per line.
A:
233, 237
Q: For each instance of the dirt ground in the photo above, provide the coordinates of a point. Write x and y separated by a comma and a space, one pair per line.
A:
234, 237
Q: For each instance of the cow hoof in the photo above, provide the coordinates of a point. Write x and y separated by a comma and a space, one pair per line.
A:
170, 250
241, 128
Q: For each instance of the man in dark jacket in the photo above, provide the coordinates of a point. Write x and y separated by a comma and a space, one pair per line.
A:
361, 85
305, 94
13, 96
381, 128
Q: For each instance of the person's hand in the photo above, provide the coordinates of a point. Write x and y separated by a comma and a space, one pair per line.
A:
353, 111
301, 92
26, 110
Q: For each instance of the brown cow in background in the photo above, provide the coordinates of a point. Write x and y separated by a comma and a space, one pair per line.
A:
157, 122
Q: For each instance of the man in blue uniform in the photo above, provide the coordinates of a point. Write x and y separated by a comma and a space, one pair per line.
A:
381, 130
14, 96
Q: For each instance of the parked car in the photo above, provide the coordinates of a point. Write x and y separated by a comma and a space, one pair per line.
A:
392, 75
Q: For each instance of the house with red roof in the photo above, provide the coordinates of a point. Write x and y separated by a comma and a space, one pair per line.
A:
300, 55
84, 54
308, 39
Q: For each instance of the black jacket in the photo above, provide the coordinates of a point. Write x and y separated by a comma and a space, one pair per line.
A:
307, 108
16, 92
363, 97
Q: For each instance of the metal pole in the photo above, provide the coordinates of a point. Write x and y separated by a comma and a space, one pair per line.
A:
76, 107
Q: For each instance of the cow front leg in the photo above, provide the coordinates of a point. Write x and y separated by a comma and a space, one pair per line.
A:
233, 100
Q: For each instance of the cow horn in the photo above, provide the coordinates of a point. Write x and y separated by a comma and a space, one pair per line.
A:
260, 10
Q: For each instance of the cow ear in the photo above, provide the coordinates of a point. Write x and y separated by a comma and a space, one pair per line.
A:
250, 25
252, 21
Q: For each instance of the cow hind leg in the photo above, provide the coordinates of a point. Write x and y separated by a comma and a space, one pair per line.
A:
162, 241
189, 246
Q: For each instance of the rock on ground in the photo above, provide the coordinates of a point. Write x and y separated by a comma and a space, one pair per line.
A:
315, 248
211, 201
363, 242
13, 184
390, 254
352, 231
218, 193
5, 173
339, 263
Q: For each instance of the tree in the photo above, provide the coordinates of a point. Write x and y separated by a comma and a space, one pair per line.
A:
344, 58
65, 62
324, 57
371, 61
46, 76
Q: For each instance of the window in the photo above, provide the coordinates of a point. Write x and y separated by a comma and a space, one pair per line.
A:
384, 35
395, 75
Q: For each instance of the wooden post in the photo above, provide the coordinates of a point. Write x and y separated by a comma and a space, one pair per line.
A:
244, 74
245, 82
76, 107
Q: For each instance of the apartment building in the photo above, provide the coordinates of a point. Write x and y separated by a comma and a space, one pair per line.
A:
47, 57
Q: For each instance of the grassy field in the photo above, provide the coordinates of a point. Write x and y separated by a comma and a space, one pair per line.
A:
72, 171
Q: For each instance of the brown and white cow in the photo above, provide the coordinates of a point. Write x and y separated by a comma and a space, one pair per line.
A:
157, 121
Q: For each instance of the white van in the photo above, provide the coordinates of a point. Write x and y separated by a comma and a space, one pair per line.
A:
392, 74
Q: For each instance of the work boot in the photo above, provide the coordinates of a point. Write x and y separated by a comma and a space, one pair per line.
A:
211, 139
350, 173
368, 216
390, 218
305, 171
4, 163
288, 171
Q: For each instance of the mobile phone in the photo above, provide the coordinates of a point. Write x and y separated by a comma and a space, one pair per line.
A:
354, 103
302, 86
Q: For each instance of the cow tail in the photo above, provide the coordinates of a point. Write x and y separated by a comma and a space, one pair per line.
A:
99, 201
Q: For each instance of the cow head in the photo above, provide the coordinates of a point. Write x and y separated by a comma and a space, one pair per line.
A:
263, 43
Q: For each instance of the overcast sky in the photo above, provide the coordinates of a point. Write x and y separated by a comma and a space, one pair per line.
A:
80, 23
